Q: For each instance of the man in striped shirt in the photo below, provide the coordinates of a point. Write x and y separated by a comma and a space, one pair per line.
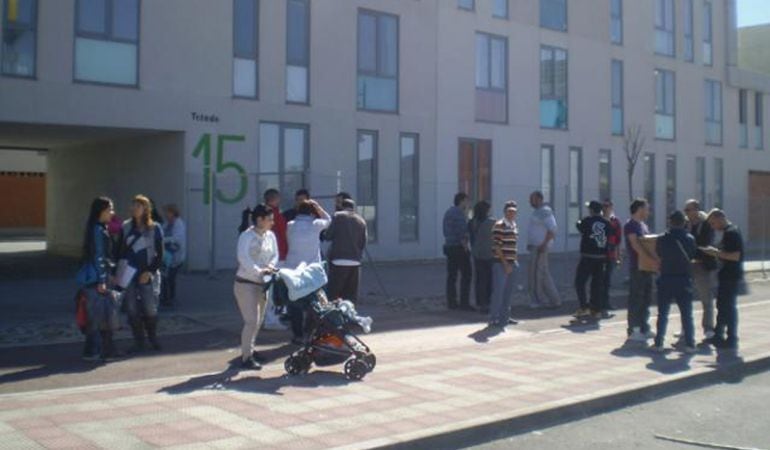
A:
505, 234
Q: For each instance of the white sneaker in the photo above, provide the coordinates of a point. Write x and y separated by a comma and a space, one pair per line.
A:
709, 334
638, 336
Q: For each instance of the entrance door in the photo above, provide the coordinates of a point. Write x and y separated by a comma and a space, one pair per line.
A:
475, 169
759, 207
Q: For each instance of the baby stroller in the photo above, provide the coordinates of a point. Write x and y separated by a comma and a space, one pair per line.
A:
329, 340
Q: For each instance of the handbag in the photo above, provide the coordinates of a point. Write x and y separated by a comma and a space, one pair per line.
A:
87, 275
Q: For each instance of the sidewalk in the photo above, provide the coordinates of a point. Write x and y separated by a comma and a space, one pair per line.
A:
427, 384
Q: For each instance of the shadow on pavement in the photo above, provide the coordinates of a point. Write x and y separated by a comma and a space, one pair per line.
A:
582, 325
483, 335
662, 364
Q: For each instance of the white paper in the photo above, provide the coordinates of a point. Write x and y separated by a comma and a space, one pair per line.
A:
124, 274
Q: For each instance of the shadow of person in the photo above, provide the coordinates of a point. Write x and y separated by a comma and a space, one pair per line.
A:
631, 349
582, 325
730, 363
483, 335
662, 364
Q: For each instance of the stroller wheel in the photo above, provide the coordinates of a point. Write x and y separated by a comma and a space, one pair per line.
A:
370, 361
356, 369
297, 364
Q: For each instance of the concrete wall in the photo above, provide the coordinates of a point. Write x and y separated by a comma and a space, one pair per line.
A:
22, 161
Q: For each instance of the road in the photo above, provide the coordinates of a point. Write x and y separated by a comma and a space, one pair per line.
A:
732, 415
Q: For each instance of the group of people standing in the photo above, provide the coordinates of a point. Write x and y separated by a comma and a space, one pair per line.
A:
270, 239
128, 268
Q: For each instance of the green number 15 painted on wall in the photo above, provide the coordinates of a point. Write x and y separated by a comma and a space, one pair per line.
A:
204, 147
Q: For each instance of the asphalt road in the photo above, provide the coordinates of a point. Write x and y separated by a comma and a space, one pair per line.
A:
730, 415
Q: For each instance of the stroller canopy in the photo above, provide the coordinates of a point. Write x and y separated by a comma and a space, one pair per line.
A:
304, 280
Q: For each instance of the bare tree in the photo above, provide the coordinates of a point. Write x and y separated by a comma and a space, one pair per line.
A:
633, 145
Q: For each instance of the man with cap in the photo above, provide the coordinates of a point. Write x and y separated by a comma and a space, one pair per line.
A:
594, 232
676, 249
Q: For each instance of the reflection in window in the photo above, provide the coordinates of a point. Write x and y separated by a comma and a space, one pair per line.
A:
713, 101
665, 112
575, 186
491, 78
245, 48
708, 34
19, 27
366, 187
617, 96
553, 88
649, 186
283, 152
107, 41
553, 14
616, 21
409, 195
297, 50
377, 86
665, 40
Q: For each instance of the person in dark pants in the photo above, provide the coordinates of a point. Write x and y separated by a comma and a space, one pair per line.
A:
348, 236
480, 233
457, 254
730, 253
640, 287
614, 240
594, 231
676, 249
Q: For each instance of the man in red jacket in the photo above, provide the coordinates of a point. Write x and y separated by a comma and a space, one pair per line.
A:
273, 200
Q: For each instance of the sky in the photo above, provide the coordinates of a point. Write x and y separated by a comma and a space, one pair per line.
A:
753, 12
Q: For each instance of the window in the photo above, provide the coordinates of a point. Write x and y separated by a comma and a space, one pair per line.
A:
671, 204
475, 169
377, 61
575, 186
283, 155
366, 187
689, 30
743, 112
616, 22
245, 48
297, 51
759, 120
713, 96
500, 9
547, 186
19, 49
665, 108
719, 188
605, 174
700, 179
408, 229
470, 5
107, 42
649, 185
491, 78
708, 34
553, 14
553, 88
617, 97
665, 40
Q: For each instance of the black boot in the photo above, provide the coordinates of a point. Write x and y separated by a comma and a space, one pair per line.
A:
138, 331
151, 324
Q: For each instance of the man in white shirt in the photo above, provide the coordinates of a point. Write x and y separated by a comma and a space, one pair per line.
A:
540, 234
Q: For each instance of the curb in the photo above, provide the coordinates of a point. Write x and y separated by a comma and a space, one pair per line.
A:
500, 429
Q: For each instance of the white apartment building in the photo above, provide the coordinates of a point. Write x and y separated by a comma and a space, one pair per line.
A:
206, 103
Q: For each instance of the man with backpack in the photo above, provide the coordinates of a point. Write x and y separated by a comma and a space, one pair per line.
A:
594, 231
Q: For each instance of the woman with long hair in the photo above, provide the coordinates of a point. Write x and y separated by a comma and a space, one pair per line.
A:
480, 231
94, 277
257, 259
141, 246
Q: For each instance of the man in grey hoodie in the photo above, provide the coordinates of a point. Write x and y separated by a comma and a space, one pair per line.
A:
348, 236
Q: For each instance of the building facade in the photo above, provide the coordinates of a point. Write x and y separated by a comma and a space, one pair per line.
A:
401, 103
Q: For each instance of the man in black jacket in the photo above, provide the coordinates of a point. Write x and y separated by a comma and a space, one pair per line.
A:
704, 266
348, 236
594, 231
676, 249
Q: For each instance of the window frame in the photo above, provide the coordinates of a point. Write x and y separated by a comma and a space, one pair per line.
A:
671, 191
281, 174
550, 195
666, 72
32, 26
616, 18
489, 37
507, 10
553, 50
605, 152
565, 29
416, 177
289, 62
376, 73
719, 179
649, 179
662, 29
373, 237
701, 188
570, 204
463, 8
743, 118
107, 36
688, 34
710, 103
759, 120
254, 57
708, 33
621, 105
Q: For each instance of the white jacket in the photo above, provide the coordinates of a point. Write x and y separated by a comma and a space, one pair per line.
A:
255, 253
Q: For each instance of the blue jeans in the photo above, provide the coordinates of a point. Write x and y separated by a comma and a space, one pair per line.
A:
679, 289
502, 294
141, 301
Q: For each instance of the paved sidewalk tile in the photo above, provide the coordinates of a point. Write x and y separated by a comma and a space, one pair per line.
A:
445, 383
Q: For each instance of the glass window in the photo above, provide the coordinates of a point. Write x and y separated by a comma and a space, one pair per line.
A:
743, 112
616, 21
547, 186
671, 204
649, 186
575, 186
377, 87
475, 169
366, 190
283, 150
700, 179
553, 14
19, 34
665, 40
713, 96
491, 78
617, 97
665, 110
719, 189
553, 88
605, 174
297, 50
466, 4
500, 9
107, 41
759, 120
708, 34
689, 36
245, 48
409, 182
